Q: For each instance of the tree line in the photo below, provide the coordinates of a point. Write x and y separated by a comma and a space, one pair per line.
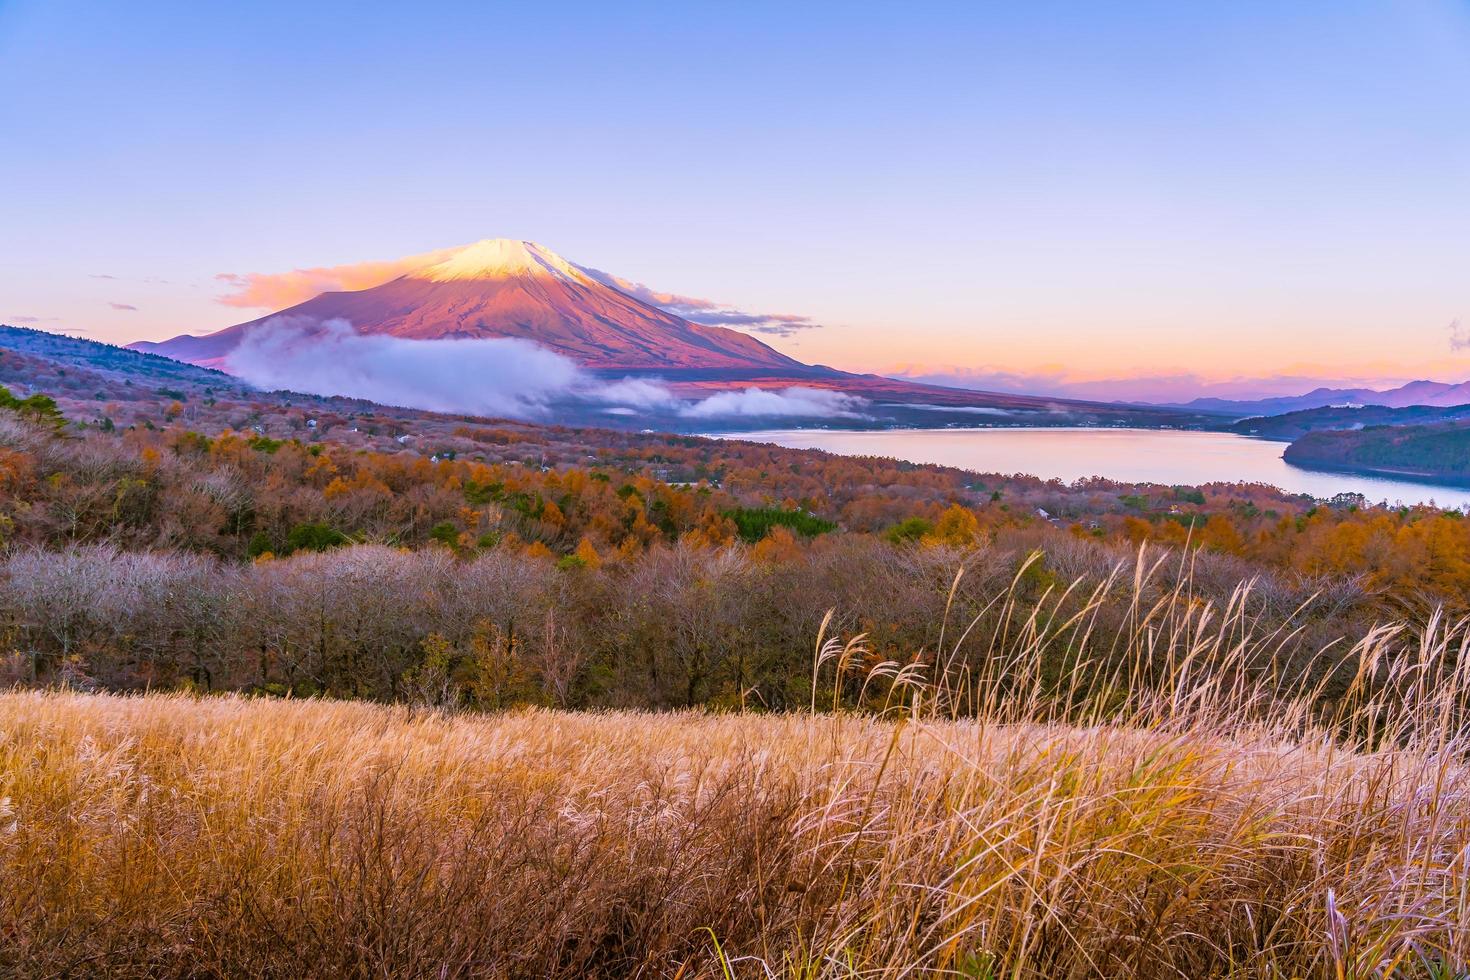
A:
680, 624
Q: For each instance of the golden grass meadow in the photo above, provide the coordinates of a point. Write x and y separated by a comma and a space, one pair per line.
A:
1185, 813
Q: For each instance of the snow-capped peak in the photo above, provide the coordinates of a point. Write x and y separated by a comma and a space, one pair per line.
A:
498, 258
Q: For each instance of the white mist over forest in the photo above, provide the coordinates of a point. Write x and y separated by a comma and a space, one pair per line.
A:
493, 376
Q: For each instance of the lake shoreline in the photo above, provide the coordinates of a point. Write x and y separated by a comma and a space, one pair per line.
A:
1125, 455
1427, 478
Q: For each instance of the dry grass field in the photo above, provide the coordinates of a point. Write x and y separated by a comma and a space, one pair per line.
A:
169, 836
1186, 812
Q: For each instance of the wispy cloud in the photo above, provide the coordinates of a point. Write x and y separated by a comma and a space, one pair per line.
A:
706, 311
151, 280
1459, 335
124, 306
777, 324
22, 318
278, 290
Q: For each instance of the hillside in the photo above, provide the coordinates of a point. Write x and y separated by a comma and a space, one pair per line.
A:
1293, 425
1438, 451
167, 540
92, 374
354, 636
62, 366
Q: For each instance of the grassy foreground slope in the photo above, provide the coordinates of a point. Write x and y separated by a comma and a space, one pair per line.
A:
174, 836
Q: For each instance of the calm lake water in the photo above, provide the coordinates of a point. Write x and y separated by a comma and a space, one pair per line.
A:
1127, 455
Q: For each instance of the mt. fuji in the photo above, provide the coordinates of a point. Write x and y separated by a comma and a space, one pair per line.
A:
500, 287
506, 289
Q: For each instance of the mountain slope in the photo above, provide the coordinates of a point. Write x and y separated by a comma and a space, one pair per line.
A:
34, 360
500, 288
505, 288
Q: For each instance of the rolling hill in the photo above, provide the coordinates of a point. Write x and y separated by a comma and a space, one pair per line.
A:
34, 360
1438, 451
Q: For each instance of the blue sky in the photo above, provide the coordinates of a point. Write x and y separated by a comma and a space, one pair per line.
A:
1065, 191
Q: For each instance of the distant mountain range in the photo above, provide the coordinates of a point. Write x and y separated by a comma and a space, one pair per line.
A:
1293, 425
1433, 393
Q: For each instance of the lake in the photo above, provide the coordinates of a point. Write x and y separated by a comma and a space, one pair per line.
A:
1127, 455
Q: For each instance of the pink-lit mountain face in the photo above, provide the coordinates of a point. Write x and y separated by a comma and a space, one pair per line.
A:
505, 288
502, 288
